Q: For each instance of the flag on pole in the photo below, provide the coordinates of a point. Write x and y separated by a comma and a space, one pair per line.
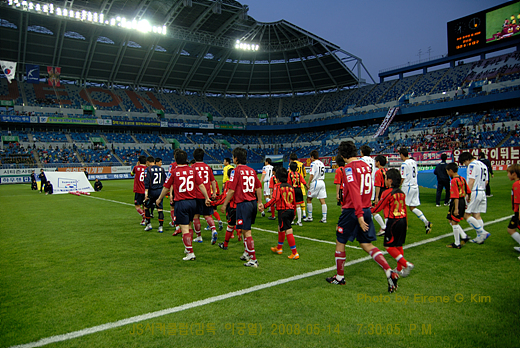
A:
386, 122
33, 73
9, 69
54, 76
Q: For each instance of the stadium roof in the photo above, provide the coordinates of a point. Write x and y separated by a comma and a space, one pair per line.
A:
197, 53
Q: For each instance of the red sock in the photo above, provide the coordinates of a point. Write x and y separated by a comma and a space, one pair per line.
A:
196, 226
340, 260
272, 210
216, 215
379, 258
281, 239
141, 212
292, 243
396, 254
210, 222
172, 216
187, 240
239, 234
228, 235
250, 244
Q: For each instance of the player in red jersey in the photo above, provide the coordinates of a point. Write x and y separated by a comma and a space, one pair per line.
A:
380, 187
173, 165
246, 189
338, 178
355, 221
513, 173
296, 180
231, 214
395, 234
138, 174
208, 180
184, 181
459, 190
283, 196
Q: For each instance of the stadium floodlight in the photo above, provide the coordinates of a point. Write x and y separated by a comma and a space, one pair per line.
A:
51, 8
65, 13
246, 46
58, 11
101, 18
95, 17
31, 6
10, 2
113, 22
38, 8
45, 8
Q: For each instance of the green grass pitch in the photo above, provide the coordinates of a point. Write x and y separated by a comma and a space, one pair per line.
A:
70, 263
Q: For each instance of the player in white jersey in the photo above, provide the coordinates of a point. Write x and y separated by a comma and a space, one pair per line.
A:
316, 187
267, 173
410, 187
477, 175
366, 151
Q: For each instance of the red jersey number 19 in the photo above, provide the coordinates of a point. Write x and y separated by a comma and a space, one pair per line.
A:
186, 183
366, 184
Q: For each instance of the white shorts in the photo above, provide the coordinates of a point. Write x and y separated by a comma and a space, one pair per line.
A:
412, 196
478, 203
317, 190
267, 190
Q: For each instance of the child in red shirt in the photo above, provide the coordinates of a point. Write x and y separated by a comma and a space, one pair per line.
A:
513, 173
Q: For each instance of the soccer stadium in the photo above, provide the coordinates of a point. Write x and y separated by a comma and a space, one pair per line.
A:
88, 88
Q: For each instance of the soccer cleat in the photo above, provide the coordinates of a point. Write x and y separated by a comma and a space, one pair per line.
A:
464, 240
481, 238
198, 239
221, 246
251, 263
406, 271
263, 214
271, 218
207, 228
160, 229
437, 205
148, 227
381, 232
323, 221
428, 227
220, 225
453, 246
334, 280
186, 251
177, 232
171, 224
189, 257
294, 256
143, 222
276, 250
245, 256
214, 237
446, 204
517, 249
299, 224
308, 219
392, 277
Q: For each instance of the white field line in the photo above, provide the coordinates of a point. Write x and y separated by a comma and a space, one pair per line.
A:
254, 228
152, 315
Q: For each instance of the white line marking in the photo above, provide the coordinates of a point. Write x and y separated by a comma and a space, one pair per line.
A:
151, 315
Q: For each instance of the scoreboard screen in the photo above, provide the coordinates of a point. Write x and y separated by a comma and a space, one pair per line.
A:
484, 28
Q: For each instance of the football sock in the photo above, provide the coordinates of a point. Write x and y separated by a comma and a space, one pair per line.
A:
379, 220
161, 218
281, 239
196, 226
456, 234
273, 210
481, 222
475, 224
291, 242
340, 257
210, 222
421, 216
309, 209
462, 234
147, 215
378, 257
324, 212
250, 243
229, 232
140, 211
398, 256
516, 237
172, 215
299, 213
402, 253
239, 233
216, 215
187, 240
304, 213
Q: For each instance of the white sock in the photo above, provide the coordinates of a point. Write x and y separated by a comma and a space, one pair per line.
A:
516, 236
462, 234
379, 220
420, 215
309, 210
482, 225
324, 212
456, 234
299, 213
475, 224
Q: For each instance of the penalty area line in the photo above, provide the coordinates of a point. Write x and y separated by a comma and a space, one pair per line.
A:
156, 314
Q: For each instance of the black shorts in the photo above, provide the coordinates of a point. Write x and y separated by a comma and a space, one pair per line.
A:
231, 216
184, 211
348, 227
138, 198
202, 208
513, 224
462, 208
246, 215
285, 218
298, 195
152, 197
395, 233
